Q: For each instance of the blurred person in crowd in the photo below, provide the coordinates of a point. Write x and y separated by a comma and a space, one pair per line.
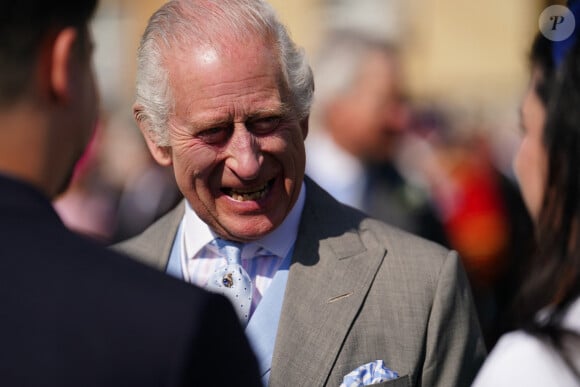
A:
74, 313
142, 190
328, 294
360, 115
146, 196
117, 189
481, 209
546, 350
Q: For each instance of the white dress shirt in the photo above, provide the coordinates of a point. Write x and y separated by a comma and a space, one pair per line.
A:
200, 261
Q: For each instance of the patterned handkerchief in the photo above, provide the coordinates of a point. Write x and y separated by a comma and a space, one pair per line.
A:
368, 374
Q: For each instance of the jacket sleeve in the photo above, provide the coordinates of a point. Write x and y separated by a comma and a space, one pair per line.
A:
455, 348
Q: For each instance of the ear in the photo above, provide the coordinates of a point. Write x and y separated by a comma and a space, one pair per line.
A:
62, 65
161, 154
304, 126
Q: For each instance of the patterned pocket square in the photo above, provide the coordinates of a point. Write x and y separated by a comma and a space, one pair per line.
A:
368, 374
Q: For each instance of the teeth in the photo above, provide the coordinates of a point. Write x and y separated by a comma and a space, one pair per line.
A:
245, 195
242, 191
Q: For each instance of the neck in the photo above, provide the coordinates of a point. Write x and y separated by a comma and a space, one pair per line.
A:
23, 151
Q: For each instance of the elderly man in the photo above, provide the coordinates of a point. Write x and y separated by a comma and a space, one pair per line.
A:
328, 294
74, 313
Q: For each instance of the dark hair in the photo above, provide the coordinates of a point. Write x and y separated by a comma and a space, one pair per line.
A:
23, 26
541, 58
553, 278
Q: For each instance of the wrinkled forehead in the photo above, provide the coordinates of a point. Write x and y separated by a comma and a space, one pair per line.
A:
221, 43
230, 53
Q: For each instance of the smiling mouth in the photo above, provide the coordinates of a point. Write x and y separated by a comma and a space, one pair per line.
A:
249, 194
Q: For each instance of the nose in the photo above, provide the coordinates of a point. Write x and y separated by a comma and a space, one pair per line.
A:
244, 155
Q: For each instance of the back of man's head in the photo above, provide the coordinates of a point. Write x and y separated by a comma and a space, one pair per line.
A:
23, 26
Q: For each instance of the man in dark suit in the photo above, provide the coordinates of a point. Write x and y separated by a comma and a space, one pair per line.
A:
73, 313
223, 96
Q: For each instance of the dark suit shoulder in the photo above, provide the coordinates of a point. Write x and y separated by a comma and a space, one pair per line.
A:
221, 340
79, 314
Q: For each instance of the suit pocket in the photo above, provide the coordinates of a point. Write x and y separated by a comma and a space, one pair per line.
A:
402, 381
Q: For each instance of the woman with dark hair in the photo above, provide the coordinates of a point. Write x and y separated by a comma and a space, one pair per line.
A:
545, 351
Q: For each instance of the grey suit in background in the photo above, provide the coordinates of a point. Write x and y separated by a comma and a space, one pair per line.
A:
359, 291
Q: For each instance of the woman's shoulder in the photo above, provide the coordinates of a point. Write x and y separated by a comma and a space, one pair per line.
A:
522, 359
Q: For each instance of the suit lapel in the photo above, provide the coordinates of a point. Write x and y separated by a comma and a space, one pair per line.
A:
166, 234
333, 267
153, 246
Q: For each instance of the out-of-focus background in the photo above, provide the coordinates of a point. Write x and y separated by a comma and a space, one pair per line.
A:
464, 70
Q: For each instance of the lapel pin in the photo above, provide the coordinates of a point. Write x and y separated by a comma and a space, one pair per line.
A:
228, 281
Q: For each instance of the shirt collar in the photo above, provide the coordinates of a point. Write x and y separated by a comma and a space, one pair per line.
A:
279, 242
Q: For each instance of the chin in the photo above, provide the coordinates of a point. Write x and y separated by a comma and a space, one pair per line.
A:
256, 229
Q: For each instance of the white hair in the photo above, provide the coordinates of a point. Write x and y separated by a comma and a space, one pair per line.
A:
182, 23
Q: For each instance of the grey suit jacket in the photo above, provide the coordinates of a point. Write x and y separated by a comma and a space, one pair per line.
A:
358, 291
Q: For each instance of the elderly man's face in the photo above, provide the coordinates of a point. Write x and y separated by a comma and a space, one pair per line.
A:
236, 147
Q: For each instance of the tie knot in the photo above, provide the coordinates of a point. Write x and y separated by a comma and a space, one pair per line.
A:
232, 251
